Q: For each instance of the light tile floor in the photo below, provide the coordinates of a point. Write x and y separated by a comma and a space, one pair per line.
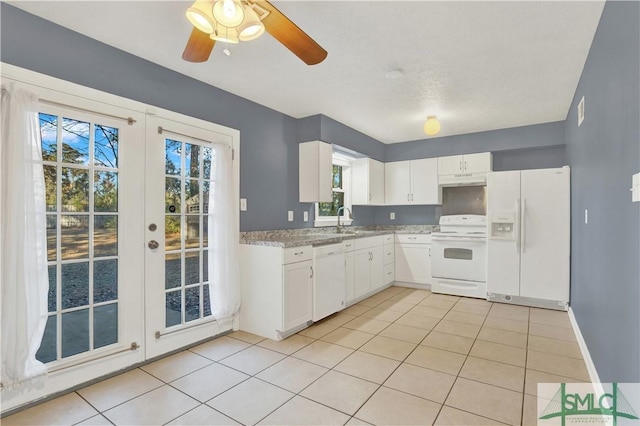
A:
403, 356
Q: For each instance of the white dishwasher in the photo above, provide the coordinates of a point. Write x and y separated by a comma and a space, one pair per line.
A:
329, 284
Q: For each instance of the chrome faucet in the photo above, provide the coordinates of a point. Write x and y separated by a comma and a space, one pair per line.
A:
339, 227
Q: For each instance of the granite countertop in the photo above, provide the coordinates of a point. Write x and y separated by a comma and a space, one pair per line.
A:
322, 236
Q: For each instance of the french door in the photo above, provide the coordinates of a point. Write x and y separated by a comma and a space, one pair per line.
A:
127, 205
181, 163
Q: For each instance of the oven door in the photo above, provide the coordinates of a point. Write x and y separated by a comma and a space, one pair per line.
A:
459, 257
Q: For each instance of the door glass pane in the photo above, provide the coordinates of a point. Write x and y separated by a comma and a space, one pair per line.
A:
206, 302
192, 160
192, 239
105, 325
75, 332
49, 136
105, 280
105, 236
173, 270
173, 155
50, 184
75, 285
192, 304
75, 236
106, 146
75, 190
173, 309
52, 238
192, 268
105, 192
75, 141
172, 195
52, 301
172, 233
48, 349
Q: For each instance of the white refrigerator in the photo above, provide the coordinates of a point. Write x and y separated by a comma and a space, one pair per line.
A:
528, 247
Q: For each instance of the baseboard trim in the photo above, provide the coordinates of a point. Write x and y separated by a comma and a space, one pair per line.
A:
591, 368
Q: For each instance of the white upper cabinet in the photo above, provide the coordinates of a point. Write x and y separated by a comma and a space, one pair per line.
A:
465, 164
367, 182
315, 170
412, 182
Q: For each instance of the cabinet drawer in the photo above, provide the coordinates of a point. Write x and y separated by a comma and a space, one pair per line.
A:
362, 243
414, 238
389, 273
388, 239
297, 254
389, 254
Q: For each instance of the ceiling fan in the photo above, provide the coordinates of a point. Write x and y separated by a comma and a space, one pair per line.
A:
231, 21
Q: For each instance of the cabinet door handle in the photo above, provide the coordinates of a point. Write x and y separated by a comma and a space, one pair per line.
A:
412, 196
429, 251
461, 165
465, 165
369, 196
408, 197
311, 269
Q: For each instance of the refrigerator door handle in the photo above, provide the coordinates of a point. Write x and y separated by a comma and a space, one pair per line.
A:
522, 233
517, 225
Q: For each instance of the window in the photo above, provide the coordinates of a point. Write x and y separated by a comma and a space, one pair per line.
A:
327, 213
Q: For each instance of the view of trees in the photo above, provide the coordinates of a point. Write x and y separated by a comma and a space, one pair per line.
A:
331, 209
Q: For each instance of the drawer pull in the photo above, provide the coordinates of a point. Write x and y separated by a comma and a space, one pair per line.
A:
298, 253
412, 238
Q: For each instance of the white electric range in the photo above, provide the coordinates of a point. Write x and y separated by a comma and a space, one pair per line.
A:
459, 256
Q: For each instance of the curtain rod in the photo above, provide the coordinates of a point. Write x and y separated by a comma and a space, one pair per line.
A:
129, 120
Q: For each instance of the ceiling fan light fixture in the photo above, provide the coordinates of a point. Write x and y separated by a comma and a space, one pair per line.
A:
432, 126
229, 13
251, 28
200, 14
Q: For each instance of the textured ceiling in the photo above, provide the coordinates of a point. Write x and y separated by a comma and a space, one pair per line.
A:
476, 65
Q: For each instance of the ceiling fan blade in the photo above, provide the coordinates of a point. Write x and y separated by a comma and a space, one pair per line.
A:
291, 36
199, 46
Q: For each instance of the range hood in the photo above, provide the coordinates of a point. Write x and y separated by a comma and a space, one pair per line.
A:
463, 179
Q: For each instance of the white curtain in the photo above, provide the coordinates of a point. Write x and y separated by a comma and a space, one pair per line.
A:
24, 280
223, 239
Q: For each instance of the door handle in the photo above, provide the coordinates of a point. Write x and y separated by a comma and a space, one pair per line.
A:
153, 244
311, 268
517, 225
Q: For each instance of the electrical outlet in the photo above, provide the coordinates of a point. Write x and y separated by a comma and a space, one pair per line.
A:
392, 216
305, 216
243, 204
290, 215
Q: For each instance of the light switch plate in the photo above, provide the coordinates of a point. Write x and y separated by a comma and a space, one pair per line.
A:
243, 204
392, 216
305, 216
290, 216
635, 188
586, 216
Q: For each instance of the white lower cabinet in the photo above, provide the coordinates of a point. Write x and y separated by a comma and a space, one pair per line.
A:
413, 258
277, 289
368, 265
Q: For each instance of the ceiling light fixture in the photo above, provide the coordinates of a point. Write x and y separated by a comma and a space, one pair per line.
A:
227, 21
432, 126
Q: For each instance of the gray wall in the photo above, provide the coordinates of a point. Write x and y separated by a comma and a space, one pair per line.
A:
525, 137
604, 152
